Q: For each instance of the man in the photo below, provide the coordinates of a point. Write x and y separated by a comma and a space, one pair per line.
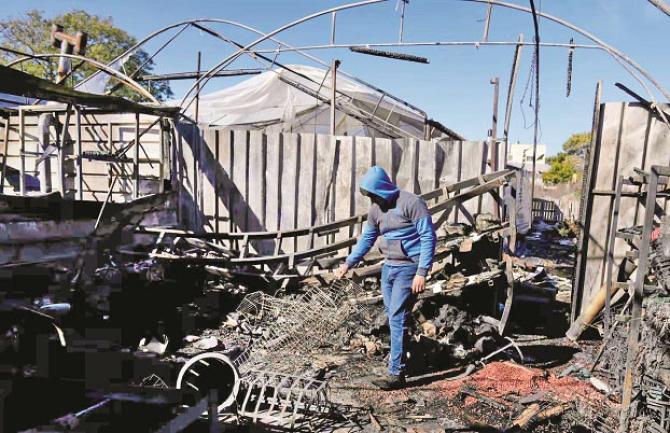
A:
408, 244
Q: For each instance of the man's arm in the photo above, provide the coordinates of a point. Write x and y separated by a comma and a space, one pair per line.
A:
424, 226
365, 242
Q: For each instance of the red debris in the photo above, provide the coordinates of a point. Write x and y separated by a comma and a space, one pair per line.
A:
499, 379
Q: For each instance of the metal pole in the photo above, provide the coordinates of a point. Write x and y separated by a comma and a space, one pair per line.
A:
333, 21
197, 172
161, 157
586, 207
402, 19
661, 6
22, 137
487, 23
536, 126
64, 140
110, 149
4, 155
510, 92
333, 94
197, 95
104, 204
495, 147
136, 158
80, 173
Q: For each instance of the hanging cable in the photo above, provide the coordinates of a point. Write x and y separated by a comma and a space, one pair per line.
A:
571, 51
536, 127
401, 5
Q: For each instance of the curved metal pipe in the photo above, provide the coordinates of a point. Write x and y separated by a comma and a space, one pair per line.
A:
202, 81
610, 49
211, 370
101, 66
261, 33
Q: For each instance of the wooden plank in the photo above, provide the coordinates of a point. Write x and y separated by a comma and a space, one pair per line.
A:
289, 186
610, 143
306, 186
403, 161
446, 165
208, 189
344, 199
274, 181
257, 187
363, 153
240, 175
384, 154
218, 178
472, 155
325, 177
426, 166
227, 156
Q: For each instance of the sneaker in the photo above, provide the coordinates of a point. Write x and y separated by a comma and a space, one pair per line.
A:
390, 382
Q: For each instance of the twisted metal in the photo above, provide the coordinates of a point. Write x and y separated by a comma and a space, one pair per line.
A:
293, 327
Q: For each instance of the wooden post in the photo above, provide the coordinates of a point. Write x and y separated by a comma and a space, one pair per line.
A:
333, 94
487, 23
22, 154
4, 154
80, 173
586, 207
333, 20
110, 150
136, 158
495, 151
161, 156
510, 92
63, 140
197, 89
197, 169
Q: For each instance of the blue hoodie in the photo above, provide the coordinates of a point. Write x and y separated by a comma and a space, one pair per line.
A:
408, 235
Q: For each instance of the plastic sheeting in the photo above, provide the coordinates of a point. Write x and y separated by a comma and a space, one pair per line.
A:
297, 100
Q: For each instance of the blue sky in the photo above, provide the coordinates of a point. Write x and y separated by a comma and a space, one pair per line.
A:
454, 88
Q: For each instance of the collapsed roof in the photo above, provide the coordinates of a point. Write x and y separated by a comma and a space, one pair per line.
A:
296, 98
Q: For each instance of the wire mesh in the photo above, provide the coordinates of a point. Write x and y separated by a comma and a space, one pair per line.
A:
291, 327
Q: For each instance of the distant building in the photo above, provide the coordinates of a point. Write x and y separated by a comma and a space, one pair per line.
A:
520, 154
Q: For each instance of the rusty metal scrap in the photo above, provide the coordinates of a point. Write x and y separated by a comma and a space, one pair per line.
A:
293, 327
276, 398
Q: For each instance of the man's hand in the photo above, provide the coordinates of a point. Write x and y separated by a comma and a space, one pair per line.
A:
418, 284
341, 271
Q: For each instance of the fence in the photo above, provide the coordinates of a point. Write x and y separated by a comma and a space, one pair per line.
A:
83, 162
546, 210
237, 180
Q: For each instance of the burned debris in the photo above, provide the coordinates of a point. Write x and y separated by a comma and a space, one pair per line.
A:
221, 263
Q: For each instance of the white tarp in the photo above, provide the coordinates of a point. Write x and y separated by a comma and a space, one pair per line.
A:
267, 102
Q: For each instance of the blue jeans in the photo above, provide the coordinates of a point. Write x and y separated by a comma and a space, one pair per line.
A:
398, 302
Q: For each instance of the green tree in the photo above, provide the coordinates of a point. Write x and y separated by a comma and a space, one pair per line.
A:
576, 144
31, 34
562, 168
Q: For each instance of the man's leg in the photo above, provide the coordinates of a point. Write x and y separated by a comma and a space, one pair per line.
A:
387, 287
399, 312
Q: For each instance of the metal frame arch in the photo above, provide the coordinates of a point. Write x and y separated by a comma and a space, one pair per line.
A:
614, 52
202, 81
100, 66
251, 29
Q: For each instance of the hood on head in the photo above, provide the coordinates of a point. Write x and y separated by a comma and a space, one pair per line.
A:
377, 182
